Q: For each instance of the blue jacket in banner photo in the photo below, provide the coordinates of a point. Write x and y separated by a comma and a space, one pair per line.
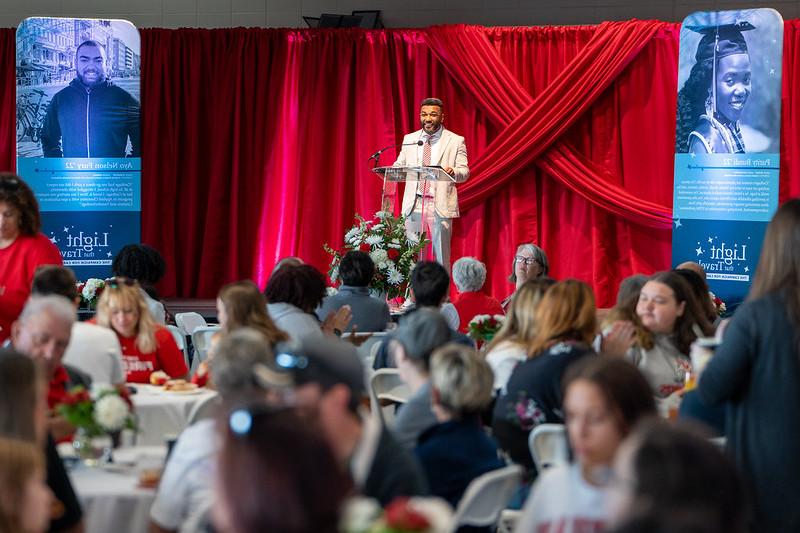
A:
96, 122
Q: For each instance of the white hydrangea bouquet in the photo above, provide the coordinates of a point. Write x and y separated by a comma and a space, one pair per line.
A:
90, 291
393, 251
109, 411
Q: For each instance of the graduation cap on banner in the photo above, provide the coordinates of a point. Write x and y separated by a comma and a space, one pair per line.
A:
721, 40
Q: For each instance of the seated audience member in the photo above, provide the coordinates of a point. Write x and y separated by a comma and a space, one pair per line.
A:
277, 473
287, 261
670, 479
293, 293
23, 416
92, 349
241, 305
530, 262
356, 271
328, 379
187, 484
565, 325
25, 499
144, 264
146, 346
430, 284
669, 314
42, 332
604, 399
411, 346
469, 275
457, 449
510, 345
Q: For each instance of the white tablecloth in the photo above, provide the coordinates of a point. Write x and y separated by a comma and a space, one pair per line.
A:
163, 413
111, 497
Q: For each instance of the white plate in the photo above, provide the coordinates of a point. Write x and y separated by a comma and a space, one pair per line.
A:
198, 390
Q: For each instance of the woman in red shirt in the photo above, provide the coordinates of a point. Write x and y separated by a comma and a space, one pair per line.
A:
146, 345
469, 275
22, 248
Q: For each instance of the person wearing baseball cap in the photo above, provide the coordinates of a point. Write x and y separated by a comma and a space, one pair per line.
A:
327, 378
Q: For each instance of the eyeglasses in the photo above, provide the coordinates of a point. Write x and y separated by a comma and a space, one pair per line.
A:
116, 283
525, 260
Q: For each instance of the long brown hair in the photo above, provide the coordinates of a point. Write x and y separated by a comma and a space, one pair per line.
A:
22, 383
20, 461
519, 324
245, 306
566, 312
15, 192
779, 265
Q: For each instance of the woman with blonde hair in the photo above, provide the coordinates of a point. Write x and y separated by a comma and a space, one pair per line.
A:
510, 345
147, 347
565, 326
25, 499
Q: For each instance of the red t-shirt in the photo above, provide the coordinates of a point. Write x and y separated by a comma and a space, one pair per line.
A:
18, 263
469, 304
167, 357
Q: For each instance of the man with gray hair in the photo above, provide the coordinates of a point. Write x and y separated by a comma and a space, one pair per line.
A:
42, 332
469, 275
186, 487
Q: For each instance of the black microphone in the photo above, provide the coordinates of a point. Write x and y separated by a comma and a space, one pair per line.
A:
377, 154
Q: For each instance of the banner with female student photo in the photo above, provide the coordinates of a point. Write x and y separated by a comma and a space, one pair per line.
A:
727, 143
78, 134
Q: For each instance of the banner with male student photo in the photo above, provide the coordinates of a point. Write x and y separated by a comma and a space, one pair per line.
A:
78, 134
727, 143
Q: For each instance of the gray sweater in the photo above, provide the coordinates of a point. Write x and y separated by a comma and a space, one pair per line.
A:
756, 371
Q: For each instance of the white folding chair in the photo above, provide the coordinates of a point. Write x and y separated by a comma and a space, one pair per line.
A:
205, 408
188, 322
201, 339
548, 446
180, 340
386, 387
365, 348
486, 497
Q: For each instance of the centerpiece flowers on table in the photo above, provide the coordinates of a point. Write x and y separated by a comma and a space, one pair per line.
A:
483, 328
108, 412
393, 251
402, 515
90, 291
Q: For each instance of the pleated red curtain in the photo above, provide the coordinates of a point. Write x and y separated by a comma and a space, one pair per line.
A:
256, 141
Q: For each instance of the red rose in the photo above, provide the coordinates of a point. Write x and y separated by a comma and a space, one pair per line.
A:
400, 516
393, 254
364, 247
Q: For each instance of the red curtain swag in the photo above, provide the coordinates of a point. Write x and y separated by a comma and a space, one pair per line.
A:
255, 142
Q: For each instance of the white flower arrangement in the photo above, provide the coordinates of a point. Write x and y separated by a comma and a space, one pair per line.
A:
90, 291
394, 252
111, 412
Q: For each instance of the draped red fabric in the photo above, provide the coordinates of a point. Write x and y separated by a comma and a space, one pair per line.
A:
256, 142
504, 99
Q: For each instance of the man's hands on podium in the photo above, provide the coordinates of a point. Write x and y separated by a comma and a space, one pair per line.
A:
450, 170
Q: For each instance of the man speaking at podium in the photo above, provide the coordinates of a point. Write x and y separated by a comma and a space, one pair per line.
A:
433, 145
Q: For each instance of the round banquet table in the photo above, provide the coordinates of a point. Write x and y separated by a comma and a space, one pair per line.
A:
161, 413
110, 495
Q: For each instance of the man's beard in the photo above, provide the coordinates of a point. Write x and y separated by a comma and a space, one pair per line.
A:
98, 80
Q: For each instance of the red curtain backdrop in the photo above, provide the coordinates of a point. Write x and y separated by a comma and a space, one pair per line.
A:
256, 141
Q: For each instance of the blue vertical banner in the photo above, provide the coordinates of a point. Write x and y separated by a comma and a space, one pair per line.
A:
78, 134
727, 143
